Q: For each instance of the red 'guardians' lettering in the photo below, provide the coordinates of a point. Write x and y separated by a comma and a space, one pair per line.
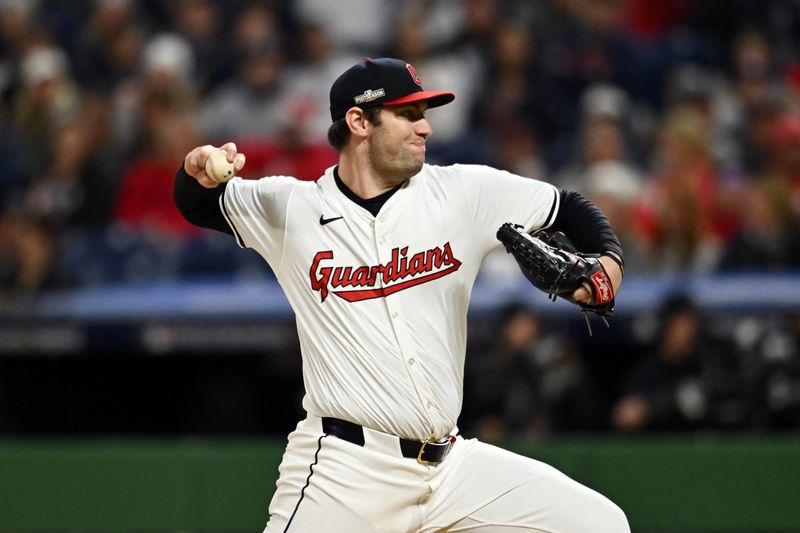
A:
420, 268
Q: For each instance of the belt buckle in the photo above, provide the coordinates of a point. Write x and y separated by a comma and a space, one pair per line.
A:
427, 441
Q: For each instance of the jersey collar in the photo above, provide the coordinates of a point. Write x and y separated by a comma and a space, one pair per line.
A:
374, 204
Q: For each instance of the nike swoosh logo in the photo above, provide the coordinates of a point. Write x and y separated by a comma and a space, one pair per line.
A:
323, 220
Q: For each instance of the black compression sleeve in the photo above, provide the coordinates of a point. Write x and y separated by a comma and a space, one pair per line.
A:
199, 205
585, 225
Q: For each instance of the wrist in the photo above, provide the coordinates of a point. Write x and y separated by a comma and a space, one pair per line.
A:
613, 271
616, 258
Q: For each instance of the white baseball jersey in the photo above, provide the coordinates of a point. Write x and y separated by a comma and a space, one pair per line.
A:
381, 301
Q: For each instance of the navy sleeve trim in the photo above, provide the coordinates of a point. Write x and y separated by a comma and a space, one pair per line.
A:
553, 209
229, 220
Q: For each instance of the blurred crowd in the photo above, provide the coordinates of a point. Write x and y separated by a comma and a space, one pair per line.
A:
679, 118
675, 369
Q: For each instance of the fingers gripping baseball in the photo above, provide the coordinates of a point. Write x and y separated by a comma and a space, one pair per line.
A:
211, 166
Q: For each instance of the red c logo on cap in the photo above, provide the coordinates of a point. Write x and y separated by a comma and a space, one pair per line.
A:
414, 74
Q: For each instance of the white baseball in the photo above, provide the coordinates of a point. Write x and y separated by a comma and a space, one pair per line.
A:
218, 168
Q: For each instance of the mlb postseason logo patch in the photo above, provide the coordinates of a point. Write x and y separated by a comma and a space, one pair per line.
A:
369, 95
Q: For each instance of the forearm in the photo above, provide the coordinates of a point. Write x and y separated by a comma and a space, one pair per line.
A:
590, 232
199, 205
613, 270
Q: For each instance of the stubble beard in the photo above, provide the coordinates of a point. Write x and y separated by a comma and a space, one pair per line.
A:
393, 161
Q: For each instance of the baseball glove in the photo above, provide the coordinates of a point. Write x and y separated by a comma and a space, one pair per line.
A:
553, 265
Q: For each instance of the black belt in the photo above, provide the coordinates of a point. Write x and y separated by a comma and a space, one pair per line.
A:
428, 452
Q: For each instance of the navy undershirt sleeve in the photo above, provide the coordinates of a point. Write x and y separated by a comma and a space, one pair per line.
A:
199, 205
585, 225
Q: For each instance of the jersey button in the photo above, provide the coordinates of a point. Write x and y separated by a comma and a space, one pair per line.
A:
430, 405
410, 360
394, 314
381, 240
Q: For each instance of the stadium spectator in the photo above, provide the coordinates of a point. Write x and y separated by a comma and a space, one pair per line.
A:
681, 213
605, 111
319, 61
202, 23
164, 78
784, 156
769, 239
248, 105
351, 33
109, 45
779, 351
145, 202
514, 101
28, 249
531, 383
685, 379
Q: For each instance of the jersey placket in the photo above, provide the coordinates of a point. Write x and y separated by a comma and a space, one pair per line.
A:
412, 360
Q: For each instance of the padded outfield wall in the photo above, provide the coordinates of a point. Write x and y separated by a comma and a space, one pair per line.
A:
687, 485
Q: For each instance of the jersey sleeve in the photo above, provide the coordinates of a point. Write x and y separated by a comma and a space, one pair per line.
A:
494, 197
256, 211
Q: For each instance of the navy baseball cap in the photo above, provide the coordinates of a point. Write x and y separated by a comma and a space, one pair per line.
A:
382, 81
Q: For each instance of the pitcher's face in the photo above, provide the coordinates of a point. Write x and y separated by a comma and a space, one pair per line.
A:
396, 148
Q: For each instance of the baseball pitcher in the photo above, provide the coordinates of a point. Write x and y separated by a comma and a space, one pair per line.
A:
378, 258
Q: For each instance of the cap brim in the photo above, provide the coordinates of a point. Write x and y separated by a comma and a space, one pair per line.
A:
434, 99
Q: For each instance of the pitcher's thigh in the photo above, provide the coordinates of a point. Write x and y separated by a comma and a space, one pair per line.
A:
496, 491
328, 484
316, 512
554, 505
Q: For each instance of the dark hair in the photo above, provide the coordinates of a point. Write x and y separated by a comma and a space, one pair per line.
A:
339, 132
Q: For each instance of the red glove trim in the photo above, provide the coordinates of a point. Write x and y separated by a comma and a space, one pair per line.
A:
603, 290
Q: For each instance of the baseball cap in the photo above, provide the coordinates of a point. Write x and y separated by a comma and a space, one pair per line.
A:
382, 81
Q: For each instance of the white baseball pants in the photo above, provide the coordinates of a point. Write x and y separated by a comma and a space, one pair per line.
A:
330, 485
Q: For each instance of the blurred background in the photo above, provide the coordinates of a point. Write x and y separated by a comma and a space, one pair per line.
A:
150, 370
